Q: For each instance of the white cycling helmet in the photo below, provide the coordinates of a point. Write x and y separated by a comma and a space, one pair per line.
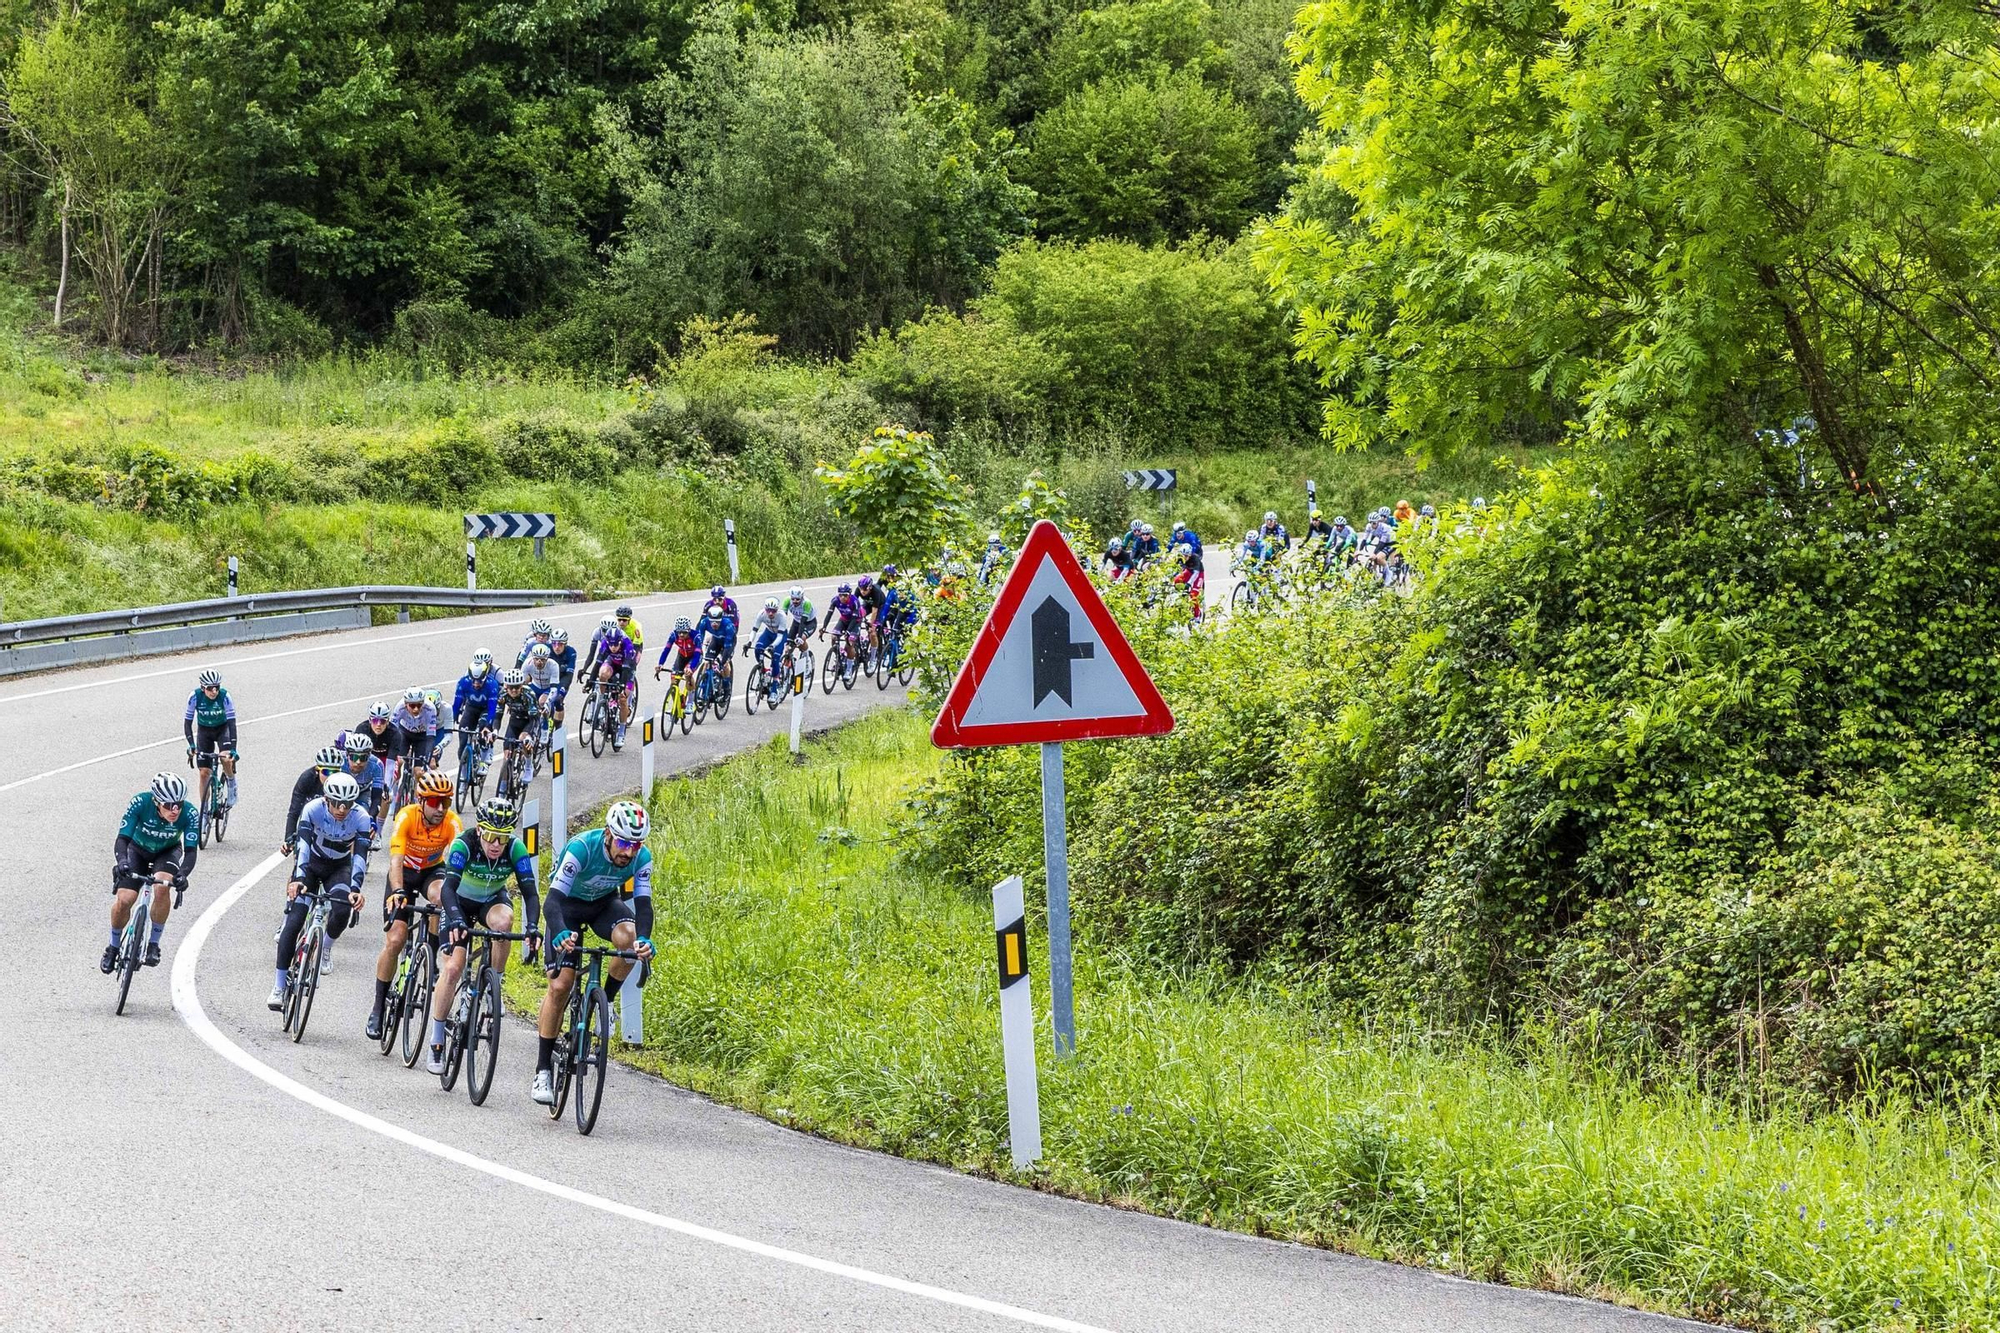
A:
380, 710
559, 638
796, 595
414, 695
329, 757
342, 789
541, 627
513, 677
1183, 549
358, 744
1145, 529
481, 660
168, 789
606, 625
627, 820
540, 652
1270, 516
770, 603
208, 678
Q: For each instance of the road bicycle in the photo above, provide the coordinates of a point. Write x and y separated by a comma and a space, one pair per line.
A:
132, 942
895, 660
676, 710
842, 663
215, 818
711, 691
408, 1008
598, 726
302, 973
794, 674
583, 1046
472, 1029
475, 757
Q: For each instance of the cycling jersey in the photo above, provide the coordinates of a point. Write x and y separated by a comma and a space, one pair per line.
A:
1276, 537
687, 646
518, 712
586, 874
1146, 548
150, 831
565, 660
1187, 535
613, 647
848, 608
543, 678
330, 842
482, 694
209, 713
528, 646
383, 740
304, 790
425, 719
721, 634
637, 635
872, 599
374, 780
470, 873
769, 622
412, 839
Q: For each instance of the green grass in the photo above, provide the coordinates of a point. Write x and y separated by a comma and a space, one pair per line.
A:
809, 978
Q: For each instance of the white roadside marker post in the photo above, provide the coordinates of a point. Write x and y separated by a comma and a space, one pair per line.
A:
646, 762
798, 715
1017, 1023
471, 568
558, 798
729, 532
232, 576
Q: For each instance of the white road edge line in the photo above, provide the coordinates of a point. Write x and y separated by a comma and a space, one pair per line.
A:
187, 1001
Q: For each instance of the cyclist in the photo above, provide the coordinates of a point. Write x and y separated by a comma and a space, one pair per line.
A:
1404, 514
684, 646
1318, 529
1341, 540
1117, 560
382, 736
539, 631
720, 629
1274, 533
159, 837
994, 560
615, 659
804, 620
210, 724
564, 657
520, 709
597, 871
1190, 574
1184, 533
544, 677
770, 626
415, 727
1147, 547
871, 595
631, 627
1254, 551
311, 784
845, 615
417, 846
333, 837
474, 890
898, 611
719, 596
364, 766
474, 702
1130, 540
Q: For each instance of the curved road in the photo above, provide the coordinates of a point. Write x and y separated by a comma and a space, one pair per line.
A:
185, 1166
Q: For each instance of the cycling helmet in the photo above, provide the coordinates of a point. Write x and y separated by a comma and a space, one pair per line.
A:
1428, 512
540, 627
1340, 520
1145, 529
1479, 502
168, 789
210, 679
513, 678
867, 582
414, 695
606, 625
888, 571
1250, 536
540, 653
846, 590
381, 711
1183, 550
1270, 516
718, 592
623, 613
1136, 525
559, 638
627, 820
358, 744
993, 539
480, 662
796, 595
715, 612
329, 758
683, 626
498, 818
770, 603
430, 783
342, 789
1314, 513
1179, 527
1113, 547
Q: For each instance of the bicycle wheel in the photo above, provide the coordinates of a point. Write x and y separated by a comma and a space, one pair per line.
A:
482, 1047
721, 698
686, 707
220, 819
830, 672
456, 1031
906, 665
560, 1063
201, 836
850, 667
885, 669
592, 1059
392, 1007
699, 703
1239, 596
753, 688
308, 983
130, 955
417, 1000
602, 721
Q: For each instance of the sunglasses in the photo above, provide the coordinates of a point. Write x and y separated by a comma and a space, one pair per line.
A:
210, 689
625, 844
339, 805
168, 805
436, 802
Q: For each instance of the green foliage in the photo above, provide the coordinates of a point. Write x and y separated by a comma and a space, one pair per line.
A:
895, 489
822, 983
1666, 230
1146, 39
1147, 160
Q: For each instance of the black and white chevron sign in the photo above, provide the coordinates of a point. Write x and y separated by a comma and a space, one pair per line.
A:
1150, 479
510, 525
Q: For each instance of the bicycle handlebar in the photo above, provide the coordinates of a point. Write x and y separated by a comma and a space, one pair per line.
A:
575, 957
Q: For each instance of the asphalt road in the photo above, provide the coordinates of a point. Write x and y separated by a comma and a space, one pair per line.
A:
187, 1166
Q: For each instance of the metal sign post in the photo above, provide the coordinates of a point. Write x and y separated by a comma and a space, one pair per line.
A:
471, 567
1051, 665
646, 762
1017, 1023
729, 534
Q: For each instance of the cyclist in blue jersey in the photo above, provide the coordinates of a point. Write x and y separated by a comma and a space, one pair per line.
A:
210, 725
564, 656
719, 631
333, 838
157, 839
595, 875
475, 702
769, 630
365, 768
719, 596
540, 631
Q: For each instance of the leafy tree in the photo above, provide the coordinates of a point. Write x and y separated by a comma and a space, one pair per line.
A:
1146, 39
1146, 161
896, 490
1669, 224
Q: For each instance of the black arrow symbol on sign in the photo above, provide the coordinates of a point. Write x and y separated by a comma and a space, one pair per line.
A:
1054, 652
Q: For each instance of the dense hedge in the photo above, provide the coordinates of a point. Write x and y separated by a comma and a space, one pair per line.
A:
1701, 767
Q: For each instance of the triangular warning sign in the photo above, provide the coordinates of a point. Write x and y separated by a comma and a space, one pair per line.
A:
1050, 664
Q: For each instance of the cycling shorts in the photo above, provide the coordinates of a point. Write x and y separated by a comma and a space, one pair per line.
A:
318, 873
518, 722
416, 744
416, 885
141, 865
477, 913
600, 916
221, 738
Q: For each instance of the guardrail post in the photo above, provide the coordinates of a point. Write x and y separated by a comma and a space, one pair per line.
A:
1017, 1023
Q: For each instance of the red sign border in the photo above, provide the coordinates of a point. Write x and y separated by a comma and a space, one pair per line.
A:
1045, 542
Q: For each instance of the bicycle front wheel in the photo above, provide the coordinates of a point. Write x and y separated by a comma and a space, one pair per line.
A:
721, 699
830, 671
602, 722
219, 821
417, 999
308, 983
482, 1046
687, 717
456, 1035
753, 688
592, 1058
129, 956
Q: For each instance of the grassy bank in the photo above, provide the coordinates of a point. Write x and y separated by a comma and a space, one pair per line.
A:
812, 980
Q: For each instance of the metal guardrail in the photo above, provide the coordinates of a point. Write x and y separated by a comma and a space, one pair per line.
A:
55, 628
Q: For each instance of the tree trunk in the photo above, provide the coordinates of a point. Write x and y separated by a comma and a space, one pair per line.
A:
62, 282
1849, 454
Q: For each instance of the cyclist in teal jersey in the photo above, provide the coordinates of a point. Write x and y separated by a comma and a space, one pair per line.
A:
158, 839
210, 725
480, 869
597, 871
